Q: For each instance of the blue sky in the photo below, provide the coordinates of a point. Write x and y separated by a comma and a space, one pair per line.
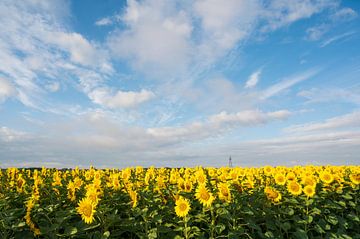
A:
179, 83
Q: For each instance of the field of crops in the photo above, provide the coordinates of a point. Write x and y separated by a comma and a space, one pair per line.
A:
268, 202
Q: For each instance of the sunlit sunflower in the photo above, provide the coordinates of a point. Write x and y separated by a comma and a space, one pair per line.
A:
294, 188
326, 177
86, 208
134, 198
280, 179
355, 178
309, 191
290, 176
272, 194
224, 192
204, 196
268, 170
308, 181
182, 207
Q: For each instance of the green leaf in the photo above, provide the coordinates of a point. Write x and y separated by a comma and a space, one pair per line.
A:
269, 234
347, 196
300, 234
106, 234
316, 211
70, 230
332, 219
219, 228
286, 226
290, 211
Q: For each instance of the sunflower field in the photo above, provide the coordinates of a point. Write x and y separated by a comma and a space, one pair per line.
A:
267, 202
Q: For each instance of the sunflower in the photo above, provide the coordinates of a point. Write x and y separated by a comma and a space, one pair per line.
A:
355, 178
188, 185
309, 190
290, 176
308, 181
204, 196
268, 170
272, 194
326, 177
93, 195
294, 188
86, 209
280, 179
182, 207
224, 192
133, 196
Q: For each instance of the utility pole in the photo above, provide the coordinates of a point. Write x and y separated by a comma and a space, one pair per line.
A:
230, 162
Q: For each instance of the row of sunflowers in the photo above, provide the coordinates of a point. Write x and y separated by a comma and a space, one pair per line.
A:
266, 202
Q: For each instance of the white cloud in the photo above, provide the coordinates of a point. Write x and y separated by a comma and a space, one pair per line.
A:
348, 120
217, 124
121, 99
237, 21
6, 89
182, 38
8, 135
282, 13
253, 79
344, 14
337, 38
156, 38
37, 46
316, 32
287, 83
104, 21
53, 86
316, 95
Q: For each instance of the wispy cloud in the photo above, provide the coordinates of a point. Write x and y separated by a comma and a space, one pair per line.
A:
343, 121
6, 89
287, 83
253, 79
323, 95
336, 38
104, 21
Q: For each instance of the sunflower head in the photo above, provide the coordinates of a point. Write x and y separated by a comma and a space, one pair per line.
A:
86, 208
309, 190
326, 177
272, 194
204, 196
294, 188
355, 178
182, 207
224, 192
280, 179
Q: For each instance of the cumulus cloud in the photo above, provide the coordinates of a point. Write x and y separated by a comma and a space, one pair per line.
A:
253, 79
121, 99
156, 36
188, 36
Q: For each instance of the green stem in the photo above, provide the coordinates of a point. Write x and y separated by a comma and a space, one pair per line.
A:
212, 229
186, 228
